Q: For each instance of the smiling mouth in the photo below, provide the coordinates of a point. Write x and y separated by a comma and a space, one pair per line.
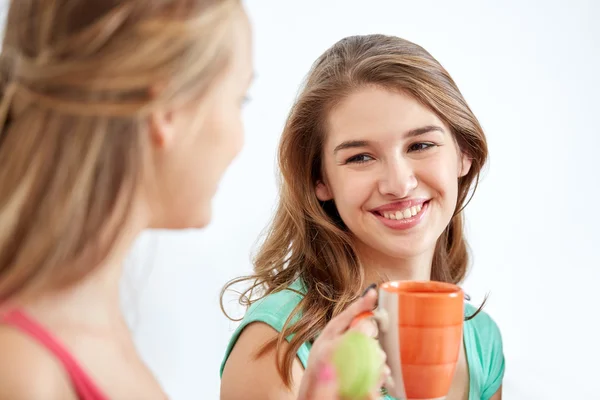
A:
402, 214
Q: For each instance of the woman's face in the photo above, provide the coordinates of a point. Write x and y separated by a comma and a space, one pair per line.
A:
391, 167
193, 161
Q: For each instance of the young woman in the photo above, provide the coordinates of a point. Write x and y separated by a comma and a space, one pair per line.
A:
379, 156
114, 117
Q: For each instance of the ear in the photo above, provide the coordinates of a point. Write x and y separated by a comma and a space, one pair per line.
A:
323, 192
162, 128
465, 165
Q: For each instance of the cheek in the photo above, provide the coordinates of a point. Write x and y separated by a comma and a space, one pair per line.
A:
440, 176
237, 133
230, 130
351, 191
222, 134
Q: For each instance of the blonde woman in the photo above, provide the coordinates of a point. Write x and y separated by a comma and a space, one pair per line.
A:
115, 116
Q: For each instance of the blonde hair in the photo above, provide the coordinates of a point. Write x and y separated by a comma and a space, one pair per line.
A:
78, 80
307, 238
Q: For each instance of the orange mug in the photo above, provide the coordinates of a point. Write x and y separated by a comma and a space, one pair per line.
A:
420, 330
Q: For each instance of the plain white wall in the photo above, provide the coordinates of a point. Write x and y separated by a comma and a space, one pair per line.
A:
530, 73
529, 70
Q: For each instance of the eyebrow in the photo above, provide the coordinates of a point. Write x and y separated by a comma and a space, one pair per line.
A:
423, 130
352, 144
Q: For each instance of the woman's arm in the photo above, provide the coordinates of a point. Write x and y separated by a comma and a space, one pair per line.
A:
247, 377
498, 394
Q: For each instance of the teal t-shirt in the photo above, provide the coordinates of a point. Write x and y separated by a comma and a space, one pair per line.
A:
482, 339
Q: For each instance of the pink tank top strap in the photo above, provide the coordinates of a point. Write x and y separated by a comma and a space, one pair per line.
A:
82, 383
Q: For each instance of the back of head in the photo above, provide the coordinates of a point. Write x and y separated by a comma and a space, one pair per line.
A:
78, 79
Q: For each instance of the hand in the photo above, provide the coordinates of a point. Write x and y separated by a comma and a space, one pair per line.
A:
319, 382
368, 326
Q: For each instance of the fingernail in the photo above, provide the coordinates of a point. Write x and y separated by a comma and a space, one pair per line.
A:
327, 373
371, 286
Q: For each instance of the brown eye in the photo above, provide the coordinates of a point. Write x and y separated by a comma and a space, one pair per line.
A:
420, 146
359, 159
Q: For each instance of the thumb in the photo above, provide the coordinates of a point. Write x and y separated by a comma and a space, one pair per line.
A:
325, 385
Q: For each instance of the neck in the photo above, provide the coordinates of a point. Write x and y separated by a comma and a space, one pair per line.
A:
380, 267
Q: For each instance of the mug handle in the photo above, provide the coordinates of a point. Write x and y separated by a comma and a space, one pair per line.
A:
379, 315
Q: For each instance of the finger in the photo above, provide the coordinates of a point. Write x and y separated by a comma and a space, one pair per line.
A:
388, 383
367, 326
325, 386
386, 376
383, 356
341, 322
321, 352
320, 356
375, 395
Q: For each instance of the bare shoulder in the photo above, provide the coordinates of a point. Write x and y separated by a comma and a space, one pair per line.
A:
248, 377
28, 371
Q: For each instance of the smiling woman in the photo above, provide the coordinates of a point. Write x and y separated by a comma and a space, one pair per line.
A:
391, 167
378, 158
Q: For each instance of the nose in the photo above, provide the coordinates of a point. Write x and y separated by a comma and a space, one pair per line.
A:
398, 178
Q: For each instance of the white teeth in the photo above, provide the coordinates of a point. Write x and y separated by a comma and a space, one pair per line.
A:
398, 215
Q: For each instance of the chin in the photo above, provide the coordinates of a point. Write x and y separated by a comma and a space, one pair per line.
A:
189, 221
203, 224
202, 221
406, 253
403, 249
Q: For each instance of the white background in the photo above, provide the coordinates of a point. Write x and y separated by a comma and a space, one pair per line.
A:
530, 72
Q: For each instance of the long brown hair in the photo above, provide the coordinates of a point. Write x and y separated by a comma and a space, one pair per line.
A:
307, 238
78, 79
